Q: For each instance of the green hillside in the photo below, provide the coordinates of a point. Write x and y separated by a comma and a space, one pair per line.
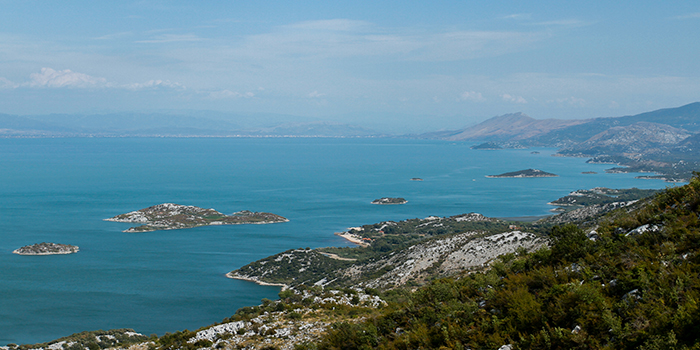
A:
630, 284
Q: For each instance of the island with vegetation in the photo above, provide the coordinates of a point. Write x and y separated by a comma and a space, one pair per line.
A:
169, 216
525, 173
487, 146
389, 200
46, 249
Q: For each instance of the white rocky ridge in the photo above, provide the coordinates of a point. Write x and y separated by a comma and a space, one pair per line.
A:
446, 256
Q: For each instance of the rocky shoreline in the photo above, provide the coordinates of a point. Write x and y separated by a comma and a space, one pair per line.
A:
235, 276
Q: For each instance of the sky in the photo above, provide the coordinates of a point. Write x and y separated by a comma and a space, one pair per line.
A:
422, 64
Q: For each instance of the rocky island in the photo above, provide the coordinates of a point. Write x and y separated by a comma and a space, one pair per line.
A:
46, 249
525, 173
169, 216
389, 200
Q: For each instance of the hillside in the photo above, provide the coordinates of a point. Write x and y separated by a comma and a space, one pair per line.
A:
629, 281
631, 140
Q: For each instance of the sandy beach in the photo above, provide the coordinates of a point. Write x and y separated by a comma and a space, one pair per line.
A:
352, 238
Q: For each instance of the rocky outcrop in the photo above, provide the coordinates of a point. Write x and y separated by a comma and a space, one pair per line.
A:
389, 200
442, 257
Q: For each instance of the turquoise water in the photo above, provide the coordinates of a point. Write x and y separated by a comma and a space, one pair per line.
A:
59, 190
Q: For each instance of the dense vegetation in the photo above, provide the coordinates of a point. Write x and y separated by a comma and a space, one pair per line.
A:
600, 195
635, 286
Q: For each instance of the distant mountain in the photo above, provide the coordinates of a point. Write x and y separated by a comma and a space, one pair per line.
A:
685, 117
508, 127
630, 140
664, 141
172, 124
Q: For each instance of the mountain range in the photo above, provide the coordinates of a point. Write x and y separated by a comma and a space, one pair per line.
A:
665, 141
173, 124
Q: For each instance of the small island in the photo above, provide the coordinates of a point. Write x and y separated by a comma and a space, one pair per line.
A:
487, 146
416, 179
588, 172
525, 173
169, 216
388, 200
46, 249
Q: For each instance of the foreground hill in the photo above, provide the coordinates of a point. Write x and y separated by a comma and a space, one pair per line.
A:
629, 281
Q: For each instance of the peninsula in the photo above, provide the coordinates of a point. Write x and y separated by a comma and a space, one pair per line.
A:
169, 216
525, 173
389, 200
46, 249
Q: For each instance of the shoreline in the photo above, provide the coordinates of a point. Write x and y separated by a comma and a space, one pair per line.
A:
258, 282
16, 251
352, 238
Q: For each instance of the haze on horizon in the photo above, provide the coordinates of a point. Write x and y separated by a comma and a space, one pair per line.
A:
424, 65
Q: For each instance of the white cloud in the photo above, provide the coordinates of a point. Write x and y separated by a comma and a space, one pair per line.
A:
171, 38
64, 78
114, 36
689, 16
514, 99
342, 25
518, 16
316, 94
340, 38
573, 101
471, 96
564, 23
7, 84
51, 78
154, 84
228, 94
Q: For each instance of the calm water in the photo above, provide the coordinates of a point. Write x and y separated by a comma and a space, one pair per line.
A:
59, 190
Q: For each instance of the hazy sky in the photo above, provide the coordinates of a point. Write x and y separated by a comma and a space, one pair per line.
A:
439, 63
